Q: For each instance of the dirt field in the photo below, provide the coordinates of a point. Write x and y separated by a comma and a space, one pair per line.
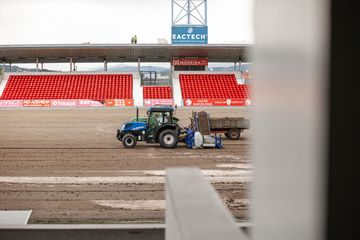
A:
67, 166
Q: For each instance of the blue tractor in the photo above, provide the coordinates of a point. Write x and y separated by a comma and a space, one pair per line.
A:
160, 127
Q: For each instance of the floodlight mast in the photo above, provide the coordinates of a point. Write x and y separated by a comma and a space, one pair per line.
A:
189, 12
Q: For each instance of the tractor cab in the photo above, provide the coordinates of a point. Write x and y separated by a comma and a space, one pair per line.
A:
160, 127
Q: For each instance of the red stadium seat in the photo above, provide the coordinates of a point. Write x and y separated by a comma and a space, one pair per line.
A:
212, 86
79, 86
157, 92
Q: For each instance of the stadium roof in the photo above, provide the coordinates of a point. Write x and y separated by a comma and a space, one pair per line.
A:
55, 53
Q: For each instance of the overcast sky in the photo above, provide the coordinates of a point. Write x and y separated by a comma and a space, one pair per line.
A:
114, 21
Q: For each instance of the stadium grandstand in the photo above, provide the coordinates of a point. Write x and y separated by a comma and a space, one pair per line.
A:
79, 86
186, 86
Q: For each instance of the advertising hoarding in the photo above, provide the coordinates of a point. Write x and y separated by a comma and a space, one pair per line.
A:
64, 103
11, 103
119, 102
153, 102
189, 35
189, 62
216, 102
37, 103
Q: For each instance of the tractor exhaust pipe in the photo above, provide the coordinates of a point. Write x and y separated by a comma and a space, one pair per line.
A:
137, 114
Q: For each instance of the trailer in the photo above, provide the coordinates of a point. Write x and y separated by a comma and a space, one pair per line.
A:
231, 127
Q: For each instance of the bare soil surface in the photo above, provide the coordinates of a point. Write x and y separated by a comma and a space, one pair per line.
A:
68, 167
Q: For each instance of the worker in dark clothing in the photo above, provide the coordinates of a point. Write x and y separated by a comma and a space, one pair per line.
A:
132, 40
135, 39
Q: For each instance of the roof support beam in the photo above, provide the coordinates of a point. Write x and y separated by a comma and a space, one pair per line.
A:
71, 61
3, 67
126, 53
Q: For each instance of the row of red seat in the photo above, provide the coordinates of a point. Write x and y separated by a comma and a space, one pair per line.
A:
157, 92
119, 86
85, 86
212, 86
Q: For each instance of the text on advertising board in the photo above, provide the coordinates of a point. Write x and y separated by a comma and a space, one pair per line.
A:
217, 102
189, 62
153, 102
189, 35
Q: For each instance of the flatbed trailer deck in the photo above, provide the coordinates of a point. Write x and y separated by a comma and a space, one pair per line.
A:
230, 126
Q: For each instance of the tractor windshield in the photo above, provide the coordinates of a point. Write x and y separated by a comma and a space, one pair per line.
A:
155, 119
158, 118
167, 117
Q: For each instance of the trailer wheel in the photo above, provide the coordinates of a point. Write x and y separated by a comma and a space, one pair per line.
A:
233, 134
129, 141
168, 138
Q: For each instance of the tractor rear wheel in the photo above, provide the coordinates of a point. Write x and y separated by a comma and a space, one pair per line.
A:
168, 138
129, 141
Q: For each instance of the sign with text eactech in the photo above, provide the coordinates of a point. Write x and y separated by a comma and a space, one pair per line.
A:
189, 35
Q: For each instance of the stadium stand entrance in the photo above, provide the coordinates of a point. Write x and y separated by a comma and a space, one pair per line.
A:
148, 78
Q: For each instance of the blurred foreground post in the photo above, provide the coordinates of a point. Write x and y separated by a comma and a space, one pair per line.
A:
290, 119
194, 210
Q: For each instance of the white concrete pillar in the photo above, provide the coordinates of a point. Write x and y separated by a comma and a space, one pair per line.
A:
3, 67
10, 67
37, 64
71, 61
105, 65
139, 65
243, 80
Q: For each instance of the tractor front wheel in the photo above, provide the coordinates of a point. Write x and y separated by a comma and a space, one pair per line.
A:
129, 141
168, 139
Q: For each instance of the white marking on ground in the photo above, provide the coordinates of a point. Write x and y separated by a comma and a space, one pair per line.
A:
83, 180
159, 204
132, 204
111, 180
207, 173
246, 169
228, 157
236, 165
